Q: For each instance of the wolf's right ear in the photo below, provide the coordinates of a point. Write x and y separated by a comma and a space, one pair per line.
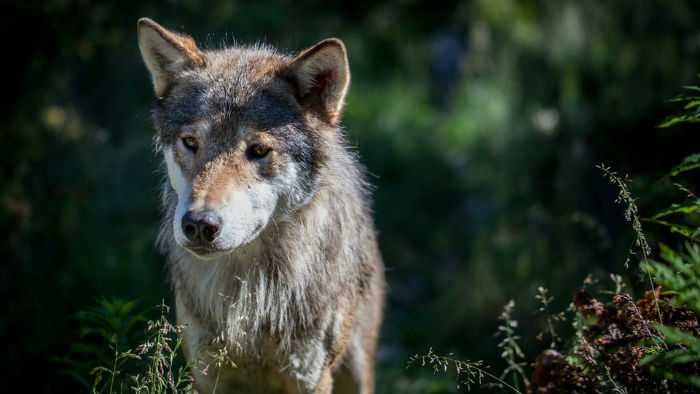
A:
322, 75
165, 53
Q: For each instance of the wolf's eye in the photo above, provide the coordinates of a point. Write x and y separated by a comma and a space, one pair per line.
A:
259, 150
190, 142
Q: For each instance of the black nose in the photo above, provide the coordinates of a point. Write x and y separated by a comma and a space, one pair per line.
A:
201, 227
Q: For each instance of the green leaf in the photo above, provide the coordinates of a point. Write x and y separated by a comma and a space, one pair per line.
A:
688, 207
679, 274
679, 118
692, 104
675, 228
669, 357
688, 163
678, 377
682, 97
675, 336
659, 362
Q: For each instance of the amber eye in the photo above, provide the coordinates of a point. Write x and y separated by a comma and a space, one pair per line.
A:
259, 150
190, 142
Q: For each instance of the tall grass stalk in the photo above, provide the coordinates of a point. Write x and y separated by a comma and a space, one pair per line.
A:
474, 370
218, 359
545, 300
161, 349
511, 349
114, 366
632, 215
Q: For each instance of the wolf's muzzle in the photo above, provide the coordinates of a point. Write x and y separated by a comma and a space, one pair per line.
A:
201, 227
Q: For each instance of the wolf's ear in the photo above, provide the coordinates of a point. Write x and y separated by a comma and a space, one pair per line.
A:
322, 75
165, 53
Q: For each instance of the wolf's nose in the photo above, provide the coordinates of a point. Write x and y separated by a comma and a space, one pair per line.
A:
201, 227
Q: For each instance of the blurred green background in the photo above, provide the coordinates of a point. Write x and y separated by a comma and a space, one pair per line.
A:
480, 123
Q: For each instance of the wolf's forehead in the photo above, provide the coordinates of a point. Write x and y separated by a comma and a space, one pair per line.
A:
236, 75
236, 85
244, 82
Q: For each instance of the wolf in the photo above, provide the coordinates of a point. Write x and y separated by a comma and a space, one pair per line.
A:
267, 227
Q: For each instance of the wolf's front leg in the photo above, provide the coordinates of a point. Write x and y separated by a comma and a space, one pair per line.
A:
194, 349
325, 383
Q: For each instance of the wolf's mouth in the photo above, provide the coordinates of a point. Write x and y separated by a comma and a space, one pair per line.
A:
202, 253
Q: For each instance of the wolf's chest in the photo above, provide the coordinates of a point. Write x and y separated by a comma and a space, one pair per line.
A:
261, 361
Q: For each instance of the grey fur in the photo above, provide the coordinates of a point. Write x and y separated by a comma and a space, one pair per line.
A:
300, 304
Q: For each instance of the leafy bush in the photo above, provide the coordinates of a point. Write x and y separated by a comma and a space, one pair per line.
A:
107, 330
119, 357
651, 345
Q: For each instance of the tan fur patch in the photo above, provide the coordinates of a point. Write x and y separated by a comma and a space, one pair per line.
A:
214, 179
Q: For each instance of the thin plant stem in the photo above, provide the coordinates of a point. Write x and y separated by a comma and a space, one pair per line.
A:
462, 367
485, 372
632, 216
114, 365
216, 382
154, 365
499, 380
653, 288
513, 361
551, 330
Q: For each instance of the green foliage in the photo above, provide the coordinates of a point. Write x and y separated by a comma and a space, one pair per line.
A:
669, 351
687, 350
107, 331
111, 347
691, 114
112, 319
679, 275
688, 163
684, 209
678, 208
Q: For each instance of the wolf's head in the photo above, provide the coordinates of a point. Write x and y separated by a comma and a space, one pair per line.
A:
242, 131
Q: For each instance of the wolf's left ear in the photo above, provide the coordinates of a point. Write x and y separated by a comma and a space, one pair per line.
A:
166, 53
322, 75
